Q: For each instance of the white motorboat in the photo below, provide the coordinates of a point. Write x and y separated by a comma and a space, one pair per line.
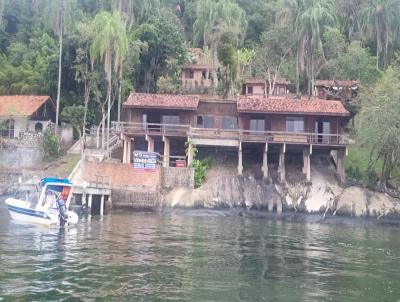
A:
43, 206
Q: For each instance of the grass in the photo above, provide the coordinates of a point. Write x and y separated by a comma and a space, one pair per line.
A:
64, 166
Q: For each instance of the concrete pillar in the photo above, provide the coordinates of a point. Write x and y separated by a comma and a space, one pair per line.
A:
240, 160
166, 152
90, 203
129, 153
124, 154
340, 169
282, 168
150, 144
190, 154
102, 205
265, 161
307, 163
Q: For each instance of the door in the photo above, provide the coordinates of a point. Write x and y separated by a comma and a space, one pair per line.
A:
323, 129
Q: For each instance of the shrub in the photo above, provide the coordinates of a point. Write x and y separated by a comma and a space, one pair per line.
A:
50, 145
200, 169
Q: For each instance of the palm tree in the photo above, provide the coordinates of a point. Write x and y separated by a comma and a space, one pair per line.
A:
214, 18
380, 20
308, 18
110, 45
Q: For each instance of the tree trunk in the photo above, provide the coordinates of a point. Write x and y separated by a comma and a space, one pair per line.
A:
120, 92
103, 125
108, 111
378, 43
312, 71
297, 73
60, 42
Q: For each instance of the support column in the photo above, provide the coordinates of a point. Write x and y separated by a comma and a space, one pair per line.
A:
340, 169
124, 155
282, 168
190, 154
102, 205
150, 144
166, 153
240, 160
265, 161
129, 153
307, 163
90, 203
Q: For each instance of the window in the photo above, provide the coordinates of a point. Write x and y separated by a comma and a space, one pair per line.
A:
189, 74
249, 89
206, 121
38, 127
144, 121
295, 124
204, 74
7, 128
257, 125
170, 119
229, 122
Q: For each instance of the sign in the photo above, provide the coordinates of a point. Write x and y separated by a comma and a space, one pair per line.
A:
180, 163
145, 160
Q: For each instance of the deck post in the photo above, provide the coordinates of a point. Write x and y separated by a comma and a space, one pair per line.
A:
307, 163
166, 153
190, 153
150, 144
129, 151
102, 205
340, 169
265, 161
124, 155
90, 203
240, 160
282, 168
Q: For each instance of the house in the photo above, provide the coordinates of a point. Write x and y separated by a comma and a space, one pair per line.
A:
197, 74
25, 113
260, 87
336, 89
274, 126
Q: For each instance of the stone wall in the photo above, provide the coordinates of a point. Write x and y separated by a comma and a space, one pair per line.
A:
177, 177
25, 139
135, 199
20, 157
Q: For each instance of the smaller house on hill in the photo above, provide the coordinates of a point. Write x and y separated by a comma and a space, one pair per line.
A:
260, 87
341, 90
25, 113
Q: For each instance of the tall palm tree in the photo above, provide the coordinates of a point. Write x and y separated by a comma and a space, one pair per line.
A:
110, 45
308, 18
214, 18
380, 20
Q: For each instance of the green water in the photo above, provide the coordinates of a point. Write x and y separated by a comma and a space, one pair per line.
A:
196, 257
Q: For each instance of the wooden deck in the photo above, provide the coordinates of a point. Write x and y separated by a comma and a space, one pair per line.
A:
142, 129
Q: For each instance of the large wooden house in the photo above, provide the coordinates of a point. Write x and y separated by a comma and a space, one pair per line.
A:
276, 125
259, 87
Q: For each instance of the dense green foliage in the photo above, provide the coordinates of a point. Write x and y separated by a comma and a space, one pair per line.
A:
200, 170
111, 47
50, 145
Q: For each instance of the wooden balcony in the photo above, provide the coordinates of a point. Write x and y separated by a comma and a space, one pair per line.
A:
138, 129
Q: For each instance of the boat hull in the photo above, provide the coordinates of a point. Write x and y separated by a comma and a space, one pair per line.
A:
21, 213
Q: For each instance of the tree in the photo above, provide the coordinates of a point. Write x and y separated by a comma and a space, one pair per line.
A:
379, 127
75, 116
380, 19
227, 55
213, 18
110, 44
272, 54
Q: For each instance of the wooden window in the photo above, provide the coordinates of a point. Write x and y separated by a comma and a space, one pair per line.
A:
206, 121
257, 125
189, 74
7, 128
249, 89
295, 124
229, 122
204, 74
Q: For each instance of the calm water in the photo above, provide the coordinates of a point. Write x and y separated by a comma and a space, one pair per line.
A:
187, 257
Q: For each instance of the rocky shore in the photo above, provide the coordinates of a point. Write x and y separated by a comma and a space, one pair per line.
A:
324, 196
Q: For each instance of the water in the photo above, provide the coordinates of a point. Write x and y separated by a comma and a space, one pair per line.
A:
191, 257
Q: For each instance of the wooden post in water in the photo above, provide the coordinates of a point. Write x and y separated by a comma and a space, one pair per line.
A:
240, 160
265, 161
102, 205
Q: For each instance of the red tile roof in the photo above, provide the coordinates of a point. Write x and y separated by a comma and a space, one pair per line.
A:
279, 81
340, 83
21, 105
282, 105
162, 101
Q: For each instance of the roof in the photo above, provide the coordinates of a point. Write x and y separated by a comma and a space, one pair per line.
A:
162, 101
284, 105
21, 105
340, 83
279, 81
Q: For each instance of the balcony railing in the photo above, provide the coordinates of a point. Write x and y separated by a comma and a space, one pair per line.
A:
234, 134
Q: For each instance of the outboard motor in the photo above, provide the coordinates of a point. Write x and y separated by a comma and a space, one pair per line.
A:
63, 214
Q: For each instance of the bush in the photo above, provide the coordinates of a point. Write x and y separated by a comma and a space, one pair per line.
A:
200, 169
50, 145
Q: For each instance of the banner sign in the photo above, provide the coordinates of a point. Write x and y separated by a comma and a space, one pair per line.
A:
145, 160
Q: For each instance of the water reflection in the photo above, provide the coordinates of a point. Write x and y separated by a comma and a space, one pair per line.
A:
184, 257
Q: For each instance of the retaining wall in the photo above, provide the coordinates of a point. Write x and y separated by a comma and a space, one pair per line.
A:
177, 177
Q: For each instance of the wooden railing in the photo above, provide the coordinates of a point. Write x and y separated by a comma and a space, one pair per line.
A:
235, 134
